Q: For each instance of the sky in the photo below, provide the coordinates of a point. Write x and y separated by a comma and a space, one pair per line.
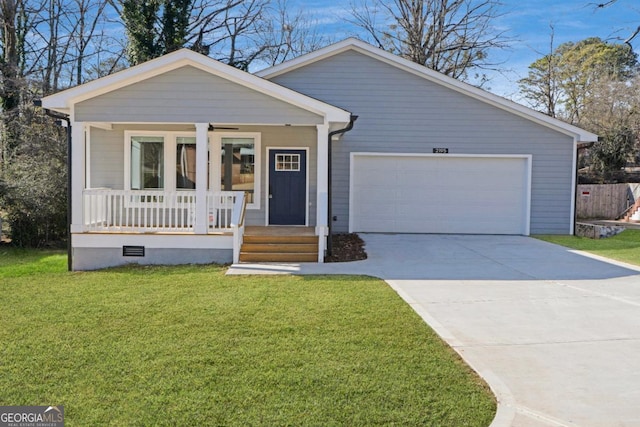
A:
526, 22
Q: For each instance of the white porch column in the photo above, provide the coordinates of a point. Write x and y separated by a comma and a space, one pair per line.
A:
78, 176
322, 206
202, 145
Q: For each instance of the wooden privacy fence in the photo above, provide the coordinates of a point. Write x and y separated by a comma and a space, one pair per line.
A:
605, 201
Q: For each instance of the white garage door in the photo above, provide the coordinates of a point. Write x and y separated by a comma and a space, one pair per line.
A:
439, 194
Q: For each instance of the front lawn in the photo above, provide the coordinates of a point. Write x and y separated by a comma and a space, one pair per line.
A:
191, 346
623, 247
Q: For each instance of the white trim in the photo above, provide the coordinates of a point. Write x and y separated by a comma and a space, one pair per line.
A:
215, 147
527, 157
529, 194
282, 160
431, 75
322, 188
78, 163
101, 125
87, 156
574, 168
159, 241
65, 101
268, 170
202, 145
168, 166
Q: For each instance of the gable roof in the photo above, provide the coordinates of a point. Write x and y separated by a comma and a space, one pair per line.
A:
353, 44
64, 101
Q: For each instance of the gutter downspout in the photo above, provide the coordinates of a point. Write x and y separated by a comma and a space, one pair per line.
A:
579, 146
352, 120
65, 117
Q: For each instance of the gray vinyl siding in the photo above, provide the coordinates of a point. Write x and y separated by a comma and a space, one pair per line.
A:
190, 95
107, 158
402, 113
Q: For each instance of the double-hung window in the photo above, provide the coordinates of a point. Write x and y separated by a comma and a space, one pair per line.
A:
186, 163
238, 166
147, 162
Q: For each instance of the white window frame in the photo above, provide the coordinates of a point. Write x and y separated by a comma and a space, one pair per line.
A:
170, 143
215, 152
172, 156
287, 165
127, 158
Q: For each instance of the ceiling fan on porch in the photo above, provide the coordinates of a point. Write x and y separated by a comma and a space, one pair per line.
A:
213, 128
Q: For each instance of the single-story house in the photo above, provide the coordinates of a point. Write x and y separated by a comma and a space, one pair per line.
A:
183, 159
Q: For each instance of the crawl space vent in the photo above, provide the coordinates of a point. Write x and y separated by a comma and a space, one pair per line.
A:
133, 251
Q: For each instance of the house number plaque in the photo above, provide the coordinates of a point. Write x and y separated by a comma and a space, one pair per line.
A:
440, 150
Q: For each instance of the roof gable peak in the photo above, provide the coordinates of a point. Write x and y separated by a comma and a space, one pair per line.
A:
64, 101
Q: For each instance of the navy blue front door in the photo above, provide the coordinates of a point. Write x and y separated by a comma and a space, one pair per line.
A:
287, 187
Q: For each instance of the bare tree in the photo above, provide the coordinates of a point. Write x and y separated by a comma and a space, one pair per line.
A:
12, 32
45, 45
541, 87
242, 28
90, 18
633, 34
290, 33
449, 36
68, 38
229, 30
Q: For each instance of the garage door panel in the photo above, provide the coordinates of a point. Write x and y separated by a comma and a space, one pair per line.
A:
431, 194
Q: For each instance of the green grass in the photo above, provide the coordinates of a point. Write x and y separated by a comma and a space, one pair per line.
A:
191, 346
623, 247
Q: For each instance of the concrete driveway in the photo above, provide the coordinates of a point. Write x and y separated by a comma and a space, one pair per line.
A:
556, 334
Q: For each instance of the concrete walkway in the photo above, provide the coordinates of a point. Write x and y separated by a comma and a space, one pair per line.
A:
556, 334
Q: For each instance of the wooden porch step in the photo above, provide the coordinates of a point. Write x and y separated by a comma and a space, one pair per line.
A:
279, 244
277, 257
295, 239
281, 247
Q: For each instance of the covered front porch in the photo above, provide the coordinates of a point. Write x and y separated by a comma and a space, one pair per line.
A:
175, 156
166, 187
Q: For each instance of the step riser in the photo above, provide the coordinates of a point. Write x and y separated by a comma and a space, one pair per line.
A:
278, 257
279, 248
281, 239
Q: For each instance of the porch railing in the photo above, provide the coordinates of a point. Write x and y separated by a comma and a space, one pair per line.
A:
237, 224
121, 211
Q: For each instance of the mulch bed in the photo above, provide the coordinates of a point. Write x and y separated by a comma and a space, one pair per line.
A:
347, 247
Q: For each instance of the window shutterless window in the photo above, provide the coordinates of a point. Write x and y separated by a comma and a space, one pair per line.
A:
238, 166
147, 162
185, 163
